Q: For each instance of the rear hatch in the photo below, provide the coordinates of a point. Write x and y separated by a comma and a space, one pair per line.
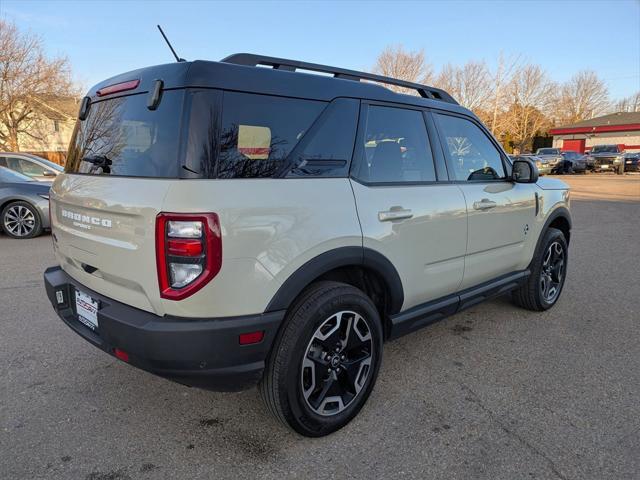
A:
122, 161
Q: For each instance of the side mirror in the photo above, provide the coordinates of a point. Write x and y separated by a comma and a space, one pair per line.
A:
524, 171
48, 173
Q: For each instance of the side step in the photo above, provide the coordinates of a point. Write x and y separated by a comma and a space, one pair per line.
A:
430, 312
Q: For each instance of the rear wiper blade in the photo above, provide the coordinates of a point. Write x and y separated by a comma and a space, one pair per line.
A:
98, 160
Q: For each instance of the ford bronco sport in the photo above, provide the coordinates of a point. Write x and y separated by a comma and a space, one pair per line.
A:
227, 224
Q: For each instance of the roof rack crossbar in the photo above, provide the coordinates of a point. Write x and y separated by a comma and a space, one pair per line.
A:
249, 59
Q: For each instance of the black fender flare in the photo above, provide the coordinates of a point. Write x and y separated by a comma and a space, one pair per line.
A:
332, 259
555, 214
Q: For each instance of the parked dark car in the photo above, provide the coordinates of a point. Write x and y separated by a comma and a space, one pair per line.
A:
24, 205
607, 158
632, 162
577, 161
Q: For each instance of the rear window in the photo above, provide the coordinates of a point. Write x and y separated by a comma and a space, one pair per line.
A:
122, 137
242, 135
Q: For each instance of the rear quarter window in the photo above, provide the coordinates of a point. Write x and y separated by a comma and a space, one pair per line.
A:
242, 135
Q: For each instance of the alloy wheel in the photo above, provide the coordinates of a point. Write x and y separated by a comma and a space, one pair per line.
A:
337, 363
19, 221
552, 272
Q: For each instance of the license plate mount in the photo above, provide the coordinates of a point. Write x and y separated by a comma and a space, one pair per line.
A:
87, 310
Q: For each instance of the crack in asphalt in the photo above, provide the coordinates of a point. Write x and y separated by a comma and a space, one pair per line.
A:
523, 441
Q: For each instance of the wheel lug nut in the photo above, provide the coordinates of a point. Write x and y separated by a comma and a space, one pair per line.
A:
342, 357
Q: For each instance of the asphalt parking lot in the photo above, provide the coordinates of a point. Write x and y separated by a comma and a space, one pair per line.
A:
493, 393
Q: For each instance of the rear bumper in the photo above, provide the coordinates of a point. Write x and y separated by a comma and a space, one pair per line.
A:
203, 352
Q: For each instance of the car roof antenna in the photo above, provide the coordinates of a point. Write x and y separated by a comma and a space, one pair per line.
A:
178, 59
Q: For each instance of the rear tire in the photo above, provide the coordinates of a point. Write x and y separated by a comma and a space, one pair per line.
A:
21, 220
325, 361
548, 273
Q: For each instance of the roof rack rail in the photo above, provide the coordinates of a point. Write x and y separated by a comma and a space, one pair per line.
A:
250, 59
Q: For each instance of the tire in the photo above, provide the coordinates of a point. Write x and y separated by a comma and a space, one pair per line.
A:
293, 383
531, 295
21, 220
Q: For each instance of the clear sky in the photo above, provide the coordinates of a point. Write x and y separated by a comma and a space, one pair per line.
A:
105, 38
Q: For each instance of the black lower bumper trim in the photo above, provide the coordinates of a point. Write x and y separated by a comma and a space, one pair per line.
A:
202, 352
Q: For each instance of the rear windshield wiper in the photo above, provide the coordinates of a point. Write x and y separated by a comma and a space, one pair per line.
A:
99, 161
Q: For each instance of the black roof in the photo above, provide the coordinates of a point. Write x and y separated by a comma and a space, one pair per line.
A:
240, 72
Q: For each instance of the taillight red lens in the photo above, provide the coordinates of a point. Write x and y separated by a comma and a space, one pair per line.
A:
188, 252
118, 87
184, 247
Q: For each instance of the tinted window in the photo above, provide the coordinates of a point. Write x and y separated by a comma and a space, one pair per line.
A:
327, 149
471, 156
396, 147
53, 166
3, 162
25, 167
259, 131
122, 136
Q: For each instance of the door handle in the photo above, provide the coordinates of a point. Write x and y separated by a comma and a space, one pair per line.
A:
394, 213
484, 204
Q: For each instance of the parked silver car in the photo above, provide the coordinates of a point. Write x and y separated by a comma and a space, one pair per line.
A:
32, 166
552, 156
24, 205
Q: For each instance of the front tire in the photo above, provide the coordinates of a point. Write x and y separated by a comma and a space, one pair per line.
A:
548, 273
21, 220
325, 361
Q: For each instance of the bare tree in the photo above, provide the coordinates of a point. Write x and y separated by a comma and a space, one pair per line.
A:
505, 69
26, 77
470, 84
529, 97
584, 96
628, 104
395, 62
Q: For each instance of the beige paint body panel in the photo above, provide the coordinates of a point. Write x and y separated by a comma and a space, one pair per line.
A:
427, 249
124, 252
269, 229
500, 237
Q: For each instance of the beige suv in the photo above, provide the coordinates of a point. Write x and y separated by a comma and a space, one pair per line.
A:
224, 225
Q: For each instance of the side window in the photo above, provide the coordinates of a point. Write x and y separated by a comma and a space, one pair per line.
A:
471, 156
3, 162
396, 147
326, 151
259, 131
31, 169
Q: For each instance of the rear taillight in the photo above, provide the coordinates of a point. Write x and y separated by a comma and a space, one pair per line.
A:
188, 252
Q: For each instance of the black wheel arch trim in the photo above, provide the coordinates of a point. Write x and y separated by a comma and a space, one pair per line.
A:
559, 212
336, 258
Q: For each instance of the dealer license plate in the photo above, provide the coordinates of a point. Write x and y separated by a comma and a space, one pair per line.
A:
87, 309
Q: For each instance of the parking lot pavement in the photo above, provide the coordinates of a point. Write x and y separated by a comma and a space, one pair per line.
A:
494, 392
